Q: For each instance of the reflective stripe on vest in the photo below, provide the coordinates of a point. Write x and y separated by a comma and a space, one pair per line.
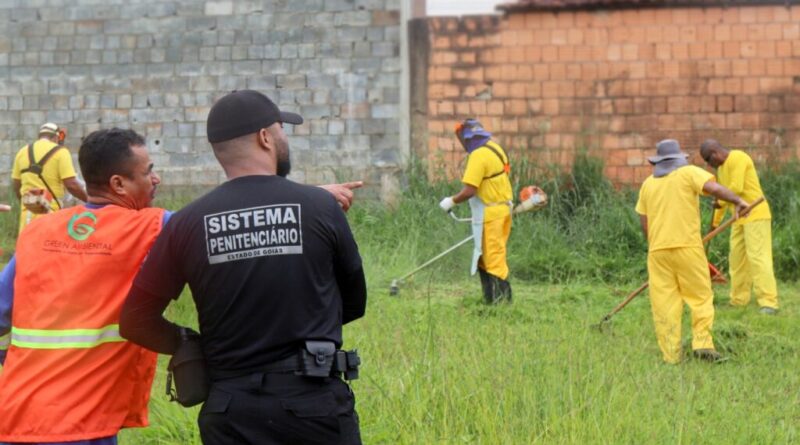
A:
4, 340
64, 338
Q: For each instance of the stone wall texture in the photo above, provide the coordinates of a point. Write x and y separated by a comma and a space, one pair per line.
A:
613, 82
158, 65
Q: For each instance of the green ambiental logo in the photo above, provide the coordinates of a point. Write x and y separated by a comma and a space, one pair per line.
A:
80, 232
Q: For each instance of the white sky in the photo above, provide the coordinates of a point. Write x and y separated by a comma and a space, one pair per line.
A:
462, 7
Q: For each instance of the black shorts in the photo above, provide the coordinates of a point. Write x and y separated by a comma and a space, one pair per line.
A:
279, 409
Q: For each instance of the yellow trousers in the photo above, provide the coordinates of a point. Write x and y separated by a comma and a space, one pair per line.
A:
751, 264
679, 276
26, 216
493, 251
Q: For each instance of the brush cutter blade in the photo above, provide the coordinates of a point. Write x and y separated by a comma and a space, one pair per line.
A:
603, 326
716, 275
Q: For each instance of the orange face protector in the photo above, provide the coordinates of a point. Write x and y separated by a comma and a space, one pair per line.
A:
459, 130
62, 135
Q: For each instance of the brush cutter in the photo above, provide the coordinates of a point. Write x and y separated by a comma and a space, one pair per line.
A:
531, 197
712, 269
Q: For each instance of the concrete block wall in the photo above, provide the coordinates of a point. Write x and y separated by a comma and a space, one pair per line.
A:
615, 82
158, 65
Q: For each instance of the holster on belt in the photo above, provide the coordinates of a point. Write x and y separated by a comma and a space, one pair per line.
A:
187, 368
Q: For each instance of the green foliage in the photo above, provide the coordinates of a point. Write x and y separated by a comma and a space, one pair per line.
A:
588, 231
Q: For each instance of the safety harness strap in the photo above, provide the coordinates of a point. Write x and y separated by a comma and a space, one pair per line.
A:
64, 338
506, 165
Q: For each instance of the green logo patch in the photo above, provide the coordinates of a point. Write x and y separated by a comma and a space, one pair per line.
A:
81, 231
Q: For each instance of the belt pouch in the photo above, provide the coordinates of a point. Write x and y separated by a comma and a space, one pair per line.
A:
317, 358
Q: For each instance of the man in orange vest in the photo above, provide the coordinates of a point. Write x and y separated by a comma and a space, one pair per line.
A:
68, 375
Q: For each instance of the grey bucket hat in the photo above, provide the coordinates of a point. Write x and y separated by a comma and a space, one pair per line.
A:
668, 157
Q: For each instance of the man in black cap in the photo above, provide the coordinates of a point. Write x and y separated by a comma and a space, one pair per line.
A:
274, 273
677, 268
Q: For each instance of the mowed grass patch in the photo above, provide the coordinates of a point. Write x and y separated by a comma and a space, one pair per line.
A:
440, 367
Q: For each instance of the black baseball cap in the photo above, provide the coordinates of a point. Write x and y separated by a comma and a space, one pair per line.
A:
243, 112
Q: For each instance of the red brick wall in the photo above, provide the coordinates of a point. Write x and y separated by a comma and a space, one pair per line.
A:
616, 82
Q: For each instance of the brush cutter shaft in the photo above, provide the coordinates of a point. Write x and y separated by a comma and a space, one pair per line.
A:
450, 212
727, 223
706, 239
434, 259
627, 300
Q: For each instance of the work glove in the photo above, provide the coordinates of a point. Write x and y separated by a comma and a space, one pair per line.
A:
447, 203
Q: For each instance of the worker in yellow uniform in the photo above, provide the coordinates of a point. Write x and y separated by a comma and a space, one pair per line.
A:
488, 189
42, 171
669, 210
751, 237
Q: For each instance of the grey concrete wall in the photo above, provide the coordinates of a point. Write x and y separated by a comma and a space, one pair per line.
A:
157, 66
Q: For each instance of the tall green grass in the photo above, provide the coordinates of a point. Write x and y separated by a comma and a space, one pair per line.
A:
588, 231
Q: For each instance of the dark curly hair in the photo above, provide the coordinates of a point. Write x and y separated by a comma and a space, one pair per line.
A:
105, 153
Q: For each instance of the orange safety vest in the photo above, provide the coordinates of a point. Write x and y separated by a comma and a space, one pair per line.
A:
68, 374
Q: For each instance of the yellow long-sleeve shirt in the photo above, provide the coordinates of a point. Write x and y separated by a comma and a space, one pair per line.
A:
493, 189
738, 173
671, 204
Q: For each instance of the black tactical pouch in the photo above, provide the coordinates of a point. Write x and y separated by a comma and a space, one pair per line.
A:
316, 358
188, 369
322, 359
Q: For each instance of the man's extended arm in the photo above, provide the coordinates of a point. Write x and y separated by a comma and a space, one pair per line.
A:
75, 188
347, 267
468, 191
142, 322
720, 192
718, 214
353, 288
343, 192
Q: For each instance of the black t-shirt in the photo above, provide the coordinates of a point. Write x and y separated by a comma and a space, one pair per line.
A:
261, 255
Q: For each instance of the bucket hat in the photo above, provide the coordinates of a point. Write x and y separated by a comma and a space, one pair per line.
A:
668, 158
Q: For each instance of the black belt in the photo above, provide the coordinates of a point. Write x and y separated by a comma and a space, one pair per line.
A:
343, 363
288, 365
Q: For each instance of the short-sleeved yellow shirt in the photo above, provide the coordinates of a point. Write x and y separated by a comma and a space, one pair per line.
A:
738, 173
672, 206
494, 191
57, 168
